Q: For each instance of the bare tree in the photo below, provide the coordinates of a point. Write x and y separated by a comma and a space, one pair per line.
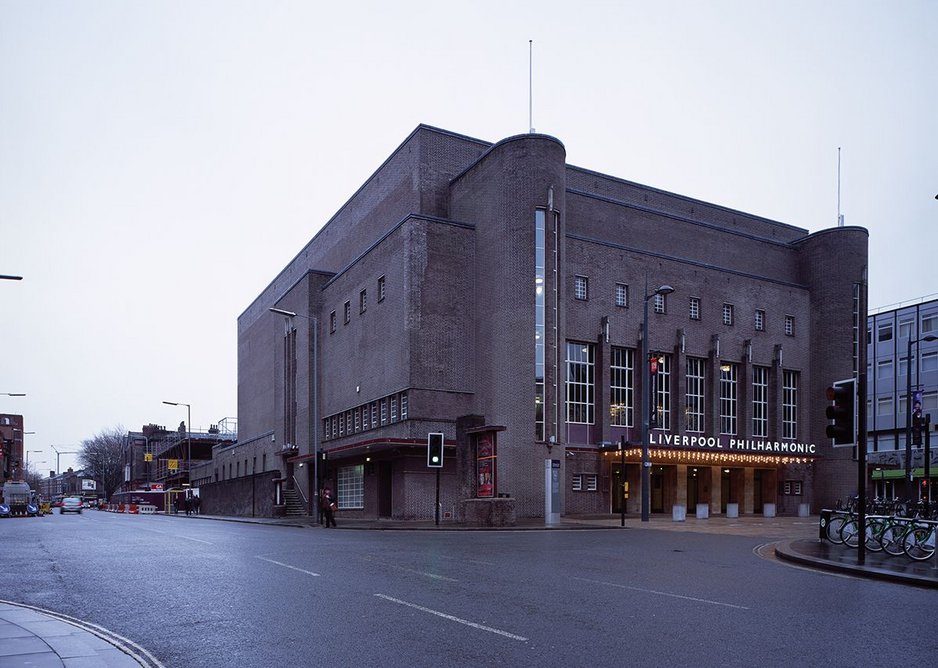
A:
101, 457
33, 477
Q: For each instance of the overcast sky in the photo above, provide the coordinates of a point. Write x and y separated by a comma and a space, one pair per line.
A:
160, 162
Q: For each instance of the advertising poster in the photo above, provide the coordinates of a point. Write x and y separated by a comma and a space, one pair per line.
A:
485, 465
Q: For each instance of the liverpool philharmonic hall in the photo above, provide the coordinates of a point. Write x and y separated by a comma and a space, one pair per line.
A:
496, 295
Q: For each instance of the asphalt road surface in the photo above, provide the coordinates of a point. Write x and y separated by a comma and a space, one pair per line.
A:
209, 593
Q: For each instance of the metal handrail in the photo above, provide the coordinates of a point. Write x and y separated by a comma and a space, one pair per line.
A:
296, 486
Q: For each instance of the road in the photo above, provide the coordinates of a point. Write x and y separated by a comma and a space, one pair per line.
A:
207, 593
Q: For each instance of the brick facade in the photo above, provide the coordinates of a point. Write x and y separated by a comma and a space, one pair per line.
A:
446, 228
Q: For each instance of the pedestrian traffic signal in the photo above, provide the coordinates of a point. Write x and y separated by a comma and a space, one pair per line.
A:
435, 450
843, 410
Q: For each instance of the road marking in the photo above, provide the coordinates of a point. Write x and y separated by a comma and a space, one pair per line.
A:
294, 568
451, 618
425, 574
176, 535
767, 551
665, 593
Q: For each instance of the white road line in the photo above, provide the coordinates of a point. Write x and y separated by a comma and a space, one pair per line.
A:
664, 593
425, 574
293, 568
176, 535
452, 618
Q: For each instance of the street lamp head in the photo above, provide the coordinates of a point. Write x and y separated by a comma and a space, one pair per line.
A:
929, 337
289, 314
13, 394
664, 290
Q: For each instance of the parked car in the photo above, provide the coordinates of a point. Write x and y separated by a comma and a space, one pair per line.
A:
70, 504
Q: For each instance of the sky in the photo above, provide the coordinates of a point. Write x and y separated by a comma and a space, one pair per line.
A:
161, 162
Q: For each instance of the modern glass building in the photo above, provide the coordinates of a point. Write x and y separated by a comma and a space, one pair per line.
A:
902, 359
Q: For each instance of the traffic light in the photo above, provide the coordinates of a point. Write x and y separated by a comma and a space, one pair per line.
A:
843, 410
435, 450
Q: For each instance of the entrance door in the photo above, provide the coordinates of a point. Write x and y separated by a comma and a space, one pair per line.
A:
757, 491
657, 491
617, 492
384, 488
693, 488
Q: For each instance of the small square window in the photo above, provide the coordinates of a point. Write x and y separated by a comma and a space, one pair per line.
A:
581, 288
884, 333
577, 483
348, 312
929, 324
332, 323
760, 320
362, 301
789, 325
929, 362
622, 295
381, 288
905, 329
728, 314
695, 308
660, 303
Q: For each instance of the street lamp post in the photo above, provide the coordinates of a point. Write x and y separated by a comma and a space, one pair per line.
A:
646, 400
58, 471
27, 456
314, 344
188, 437
909, 408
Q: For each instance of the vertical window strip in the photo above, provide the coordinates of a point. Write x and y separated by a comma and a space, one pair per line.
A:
728, 393
540, 324
790, 404
579, 383
622, 384
695, 394
760, 401
663, 397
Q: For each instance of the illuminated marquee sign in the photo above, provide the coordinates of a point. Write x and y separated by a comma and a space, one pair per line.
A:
731, 443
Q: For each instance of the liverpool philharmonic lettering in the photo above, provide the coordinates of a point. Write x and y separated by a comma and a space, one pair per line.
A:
726, 443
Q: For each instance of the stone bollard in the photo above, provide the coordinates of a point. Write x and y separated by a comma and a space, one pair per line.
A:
768, 510
804, 510
732, 510
678, 513
703, 511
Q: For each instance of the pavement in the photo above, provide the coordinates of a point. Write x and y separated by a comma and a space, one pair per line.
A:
34, 637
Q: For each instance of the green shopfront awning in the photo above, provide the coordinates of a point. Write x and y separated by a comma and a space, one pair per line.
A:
896, 474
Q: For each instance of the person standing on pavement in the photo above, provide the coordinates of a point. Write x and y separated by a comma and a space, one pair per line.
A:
328, 507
